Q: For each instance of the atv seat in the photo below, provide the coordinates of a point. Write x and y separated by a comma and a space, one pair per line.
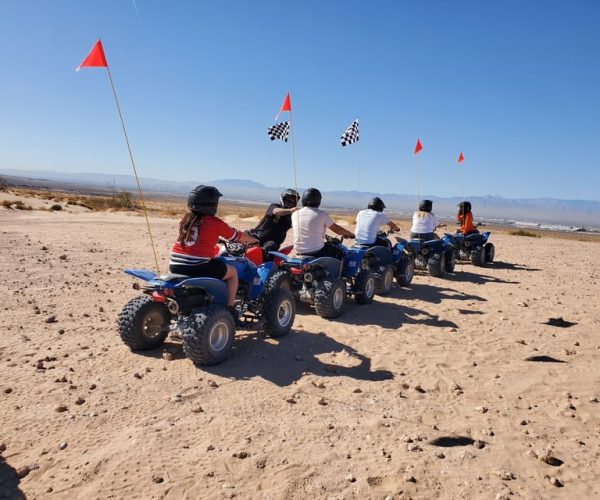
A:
172, 277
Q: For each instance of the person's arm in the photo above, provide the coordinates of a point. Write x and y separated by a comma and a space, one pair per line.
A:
246, 238
393, 226
284, 211
341, 231
232, 234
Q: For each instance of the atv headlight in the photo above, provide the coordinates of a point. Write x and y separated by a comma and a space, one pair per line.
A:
308, 277
425, 251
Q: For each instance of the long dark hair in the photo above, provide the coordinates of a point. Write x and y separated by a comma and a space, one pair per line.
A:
186, 225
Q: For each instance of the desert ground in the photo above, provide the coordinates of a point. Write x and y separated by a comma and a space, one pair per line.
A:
426, 393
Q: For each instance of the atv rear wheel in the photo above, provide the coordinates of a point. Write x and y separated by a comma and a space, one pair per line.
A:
208, 335
477, 256
436, 265
384, 279
450, 262
279, 312
330, 298
405, 271
364, 287
489, 252
143, 323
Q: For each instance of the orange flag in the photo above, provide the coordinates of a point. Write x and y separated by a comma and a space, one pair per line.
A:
287, 105
418, 147
461, 158
95, 59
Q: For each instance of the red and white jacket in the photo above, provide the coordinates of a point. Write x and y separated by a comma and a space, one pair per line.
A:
201, 246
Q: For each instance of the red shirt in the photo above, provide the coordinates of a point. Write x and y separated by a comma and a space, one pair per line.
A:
204, 238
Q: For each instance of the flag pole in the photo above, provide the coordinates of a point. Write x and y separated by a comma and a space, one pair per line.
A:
293, 150
358, 156
112, 85
418, 179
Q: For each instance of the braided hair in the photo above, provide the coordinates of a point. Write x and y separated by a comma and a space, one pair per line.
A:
189, 221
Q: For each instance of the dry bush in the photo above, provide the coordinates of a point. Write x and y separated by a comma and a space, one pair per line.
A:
522, 232
56, 207
247, 214
18, 204
3, 184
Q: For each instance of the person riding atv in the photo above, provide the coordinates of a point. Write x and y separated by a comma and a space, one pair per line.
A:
368, 222
193, 254
273, 227
310, 225
464, 218
425, 222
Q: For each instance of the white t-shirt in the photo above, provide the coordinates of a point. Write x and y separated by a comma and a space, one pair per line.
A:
367, 223
426, 224
309, 225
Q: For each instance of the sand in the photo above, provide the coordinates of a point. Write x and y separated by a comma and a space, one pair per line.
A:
426, 393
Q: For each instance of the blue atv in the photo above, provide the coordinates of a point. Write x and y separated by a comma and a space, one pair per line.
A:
388, 262
436, 256
474, 247
197, 308
325, 282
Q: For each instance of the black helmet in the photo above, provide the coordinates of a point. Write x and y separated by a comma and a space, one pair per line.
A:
203, 200
311, 198
376, 204
425, 205
464, 207
289, 198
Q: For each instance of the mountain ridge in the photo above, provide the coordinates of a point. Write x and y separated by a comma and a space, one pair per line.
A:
541, 210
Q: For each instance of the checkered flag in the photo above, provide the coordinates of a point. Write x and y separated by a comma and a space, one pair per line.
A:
350, 136
279, 131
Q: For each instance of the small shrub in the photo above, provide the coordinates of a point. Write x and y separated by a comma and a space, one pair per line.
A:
122, 201
6, 204
3, 184
56, 207
522, 232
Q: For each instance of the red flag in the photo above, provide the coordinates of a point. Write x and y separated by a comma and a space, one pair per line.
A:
461, 158
95, 58
418, 147
287, 105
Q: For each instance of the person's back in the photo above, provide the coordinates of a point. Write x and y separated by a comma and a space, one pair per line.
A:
424, 222
309, 225
367, 224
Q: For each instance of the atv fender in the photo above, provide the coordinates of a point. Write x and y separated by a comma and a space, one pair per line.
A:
214, 287
383, 254
332, 266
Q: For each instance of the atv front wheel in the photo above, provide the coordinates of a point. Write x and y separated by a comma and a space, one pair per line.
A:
143, 323
384, 279
405, 271
207, 335
364, 287
279, 279
489, 252
279, 312
436, 265
330, 298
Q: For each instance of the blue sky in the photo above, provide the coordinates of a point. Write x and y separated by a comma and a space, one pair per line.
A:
513, 84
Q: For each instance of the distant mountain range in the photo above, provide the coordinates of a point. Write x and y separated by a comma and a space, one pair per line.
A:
576, 213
